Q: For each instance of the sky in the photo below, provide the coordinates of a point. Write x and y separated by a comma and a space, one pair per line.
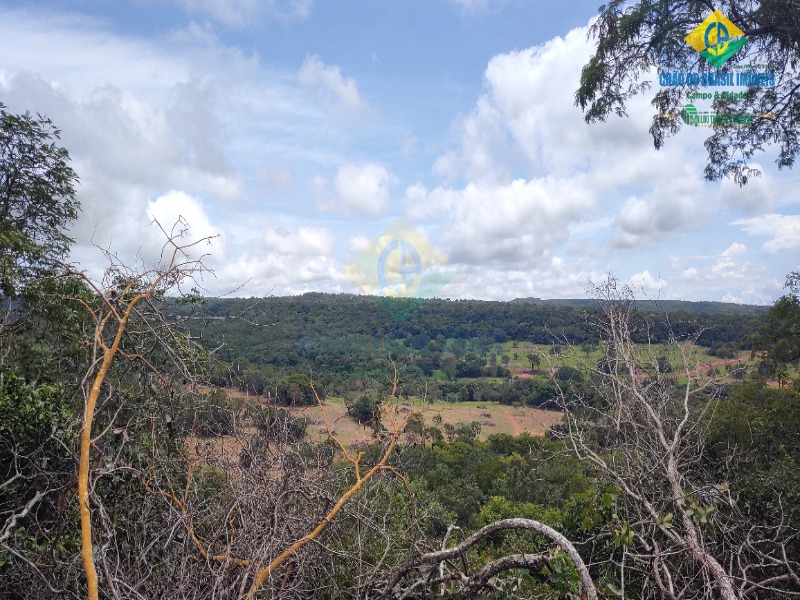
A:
321, 142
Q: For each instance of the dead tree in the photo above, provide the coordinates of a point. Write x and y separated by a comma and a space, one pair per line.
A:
642, 431
441, 570
128, 328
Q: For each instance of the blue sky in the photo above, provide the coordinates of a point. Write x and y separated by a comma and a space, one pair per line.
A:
301, 131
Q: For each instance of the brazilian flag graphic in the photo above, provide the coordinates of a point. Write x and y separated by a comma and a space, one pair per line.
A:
717, 39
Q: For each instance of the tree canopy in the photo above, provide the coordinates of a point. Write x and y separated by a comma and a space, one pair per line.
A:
633, 39
777, 341
37, 198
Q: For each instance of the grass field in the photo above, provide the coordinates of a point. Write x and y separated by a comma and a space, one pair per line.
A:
575, 356
493, 417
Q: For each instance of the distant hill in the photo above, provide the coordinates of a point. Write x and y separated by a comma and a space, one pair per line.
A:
659, 306
287, 331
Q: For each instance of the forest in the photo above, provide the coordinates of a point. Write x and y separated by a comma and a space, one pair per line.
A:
153, 442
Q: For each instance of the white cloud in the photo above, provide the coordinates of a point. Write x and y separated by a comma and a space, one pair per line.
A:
757, 197
546, 279
783, 231
735, 249
339, 94
727, 266
529, 200
362, 189
506, 225
644, 220
529, 102
646, 283
185, 114
721, 273
305, 241
526, 123
174, 206
357, 243
260, 272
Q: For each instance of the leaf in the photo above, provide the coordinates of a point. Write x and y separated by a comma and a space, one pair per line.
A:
611, 588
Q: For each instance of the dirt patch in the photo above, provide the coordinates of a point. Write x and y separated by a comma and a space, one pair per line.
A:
493, 417
704, 367
516, 426
522, 374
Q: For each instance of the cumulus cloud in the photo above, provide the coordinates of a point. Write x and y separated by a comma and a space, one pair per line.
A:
645, 282
757, 197
177, 206
526, 123
194, 122
783, 231
506, 225
526, 120
339, 94
723, 274
362, 189
554, 278
727, 265
139, 118
645, 220
305, 241
241, 13
256, 272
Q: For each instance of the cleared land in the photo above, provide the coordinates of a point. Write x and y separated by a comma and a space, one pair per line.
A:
493, 417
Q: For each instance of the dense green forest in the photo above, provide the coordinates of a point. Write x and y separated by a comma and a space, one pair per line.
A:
287, 331
128, 469
456, 350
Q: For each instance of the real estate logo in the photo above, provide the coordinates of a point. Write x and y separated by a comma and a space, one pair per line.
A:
717, 39
691, 116
399, 263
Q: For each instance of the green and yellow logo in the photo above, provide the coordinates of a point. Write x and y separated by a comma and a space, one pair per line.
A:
399, 263
717, 39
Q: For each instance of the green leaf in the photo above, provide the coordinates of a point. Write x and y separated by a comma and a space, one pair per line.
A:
613, 589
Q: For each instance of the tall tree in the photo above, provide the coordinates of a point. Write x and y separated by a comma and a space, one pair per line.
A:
37, 199
777, 341
633, 39
680, 528
37, 203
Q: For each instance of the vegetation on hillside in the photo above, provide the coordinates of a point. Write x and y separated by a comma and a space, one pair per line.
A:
125, 473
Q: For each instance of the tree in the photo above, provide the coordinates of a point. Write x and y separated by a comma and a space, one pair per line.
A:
635, 38
677, 526
417, 575
37, 200
777, 341
36, 425
130, 328
293, 390
363, 409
